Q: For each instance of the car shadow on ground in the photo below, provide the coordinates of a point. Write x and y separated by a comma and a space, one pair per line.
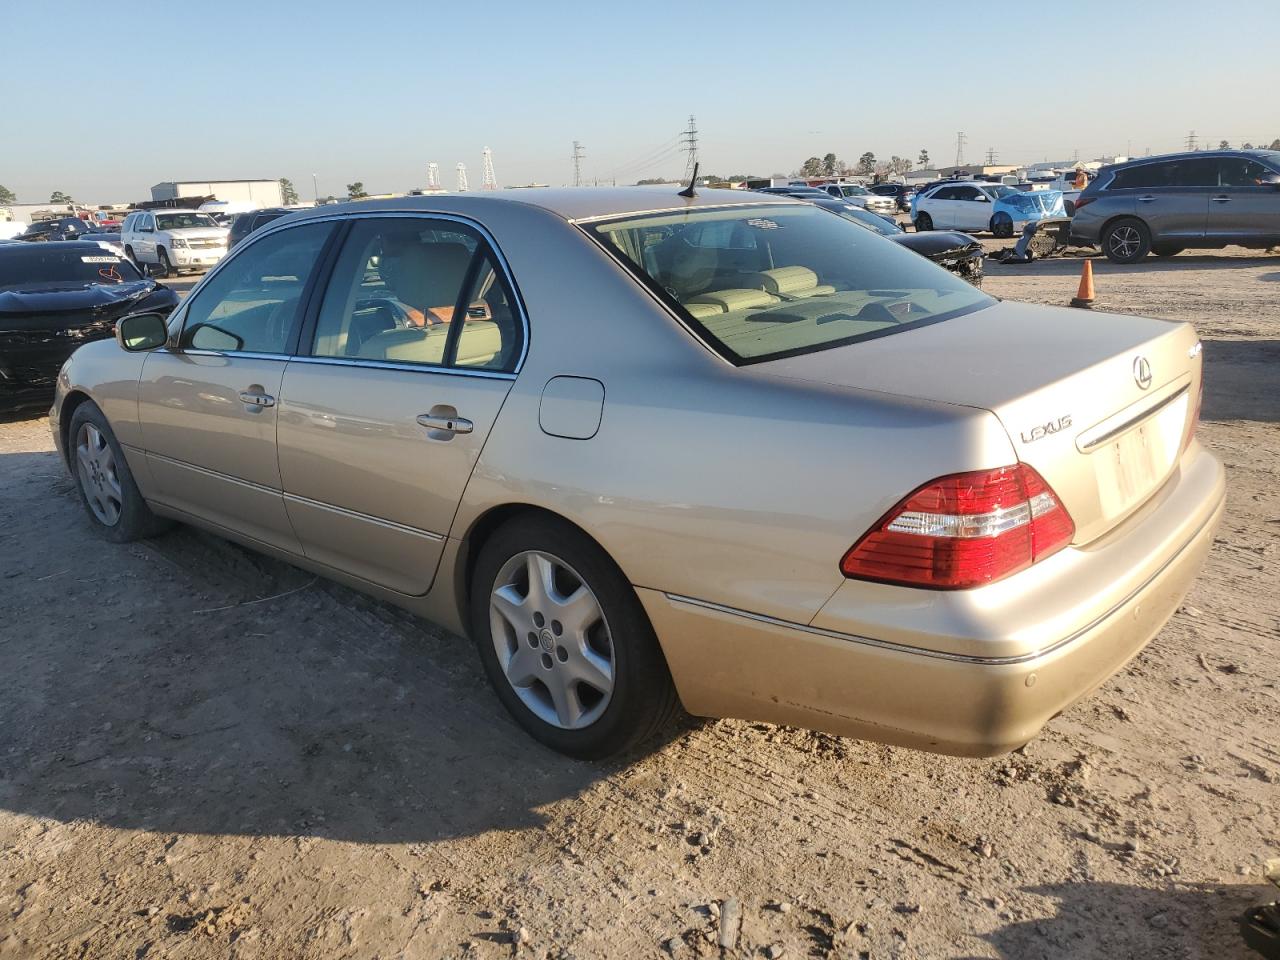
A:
1252, 370
1101, 921
202, 688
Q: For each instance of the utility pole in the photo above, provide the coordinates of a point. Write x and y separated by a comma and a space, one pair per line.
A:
433, 175
462, 177
690, 140
1191, 140
577, 163
960, 139
315, 189
991, 156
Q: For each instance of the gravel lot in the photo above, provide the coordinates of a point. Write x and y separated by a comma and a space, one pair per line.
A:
211, 754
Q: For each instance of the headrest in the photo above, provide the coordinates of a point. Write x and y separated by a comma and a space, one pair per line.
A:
425, 275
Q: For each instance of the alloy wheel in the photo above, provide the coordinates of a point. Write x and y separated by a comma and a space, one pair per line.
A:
1125, 241
96, 468
552, 640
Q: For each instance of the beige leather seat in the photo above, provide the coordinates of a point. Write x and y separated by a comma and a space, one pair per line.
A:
730, 300
790, 283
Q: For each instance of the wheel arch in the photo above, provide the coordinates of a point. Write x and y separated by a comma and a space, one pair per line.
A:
472, 543
70, 404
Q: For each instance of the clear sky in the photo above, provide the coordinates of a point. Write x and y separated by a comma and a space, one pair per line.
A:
101, 100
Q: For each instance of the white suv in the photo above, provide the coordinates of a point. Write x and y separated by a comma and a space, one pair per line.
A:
173, 240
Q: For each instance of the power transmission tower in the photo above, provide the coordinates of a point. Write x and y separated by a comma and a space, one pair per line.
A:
577, 163
960, 139
488, 181
433, 175
991, 156
462, 177
1191, 140
689, 139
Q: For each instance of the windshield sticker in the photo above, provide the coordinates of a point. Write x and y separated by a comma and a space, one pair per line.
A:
761, 224
99, 259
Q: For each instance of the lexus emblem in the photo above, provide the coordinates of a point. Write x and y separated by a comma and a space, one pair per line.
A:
1142, 372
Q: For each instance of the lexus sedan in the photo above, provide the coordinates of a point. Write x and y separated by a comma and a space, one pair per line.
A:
55, 296
724, 451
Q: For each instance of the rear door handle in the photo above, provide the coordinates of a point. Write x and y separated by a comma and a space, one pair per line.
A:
448, 424
1146, 199
257, 399
1221, 199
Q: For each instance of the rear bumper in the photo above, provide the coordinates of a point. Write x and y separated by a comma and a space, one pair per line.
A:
730, 663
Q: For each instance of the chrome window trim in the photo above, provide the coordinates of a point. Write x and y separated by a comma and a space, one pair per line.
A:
397, 365
277, 226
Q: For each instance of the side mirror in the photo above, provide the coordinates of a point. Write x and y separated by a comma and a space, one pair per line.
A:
141, 331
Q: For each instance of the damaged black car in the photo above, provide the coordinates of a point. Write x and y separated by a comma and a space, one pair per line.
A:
957, 252
55, 296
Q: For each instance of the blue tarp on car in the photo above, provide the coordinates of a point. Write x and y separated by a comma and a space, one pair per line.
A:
1031, 205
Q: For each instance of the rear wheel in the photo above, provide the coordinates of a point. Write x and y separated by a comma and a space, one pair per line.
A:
128, 252
565, 641
1163, 250
1002, 225
1126, 241
923, 222
110, 497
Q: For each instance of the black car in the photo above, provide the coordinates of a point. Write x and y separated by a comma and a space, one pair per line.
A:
899, 191
55, 296
957, 252
63, 228
245, 223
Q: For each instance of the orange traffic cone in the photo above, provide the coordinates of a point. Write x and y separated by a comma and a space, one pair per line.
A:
1084, 295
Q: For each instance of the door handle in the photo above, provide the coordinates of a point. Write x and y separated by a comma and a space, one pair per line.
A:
1220, 199
257, 399
1146, 199
448, 424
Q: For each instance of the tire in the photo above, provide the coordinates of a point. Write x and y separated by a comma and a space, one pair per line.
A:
110, 497
1166, 251
162, 257
923, 222
1001, 227
622, 693
1126, 241
128, 252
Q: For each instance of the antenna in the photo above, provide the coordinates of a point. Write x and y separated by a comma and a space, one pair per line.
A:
433, 175
488, 181
462, 177
577, 163
690, 140
689, 191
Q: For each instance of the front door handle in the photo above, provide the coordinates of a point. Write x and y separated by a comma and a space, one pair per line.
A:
1147, 199
1221, 199
454, 424
257, 399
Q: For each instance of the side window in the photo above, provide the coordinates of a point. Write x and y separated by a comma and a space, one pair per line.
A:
419, 291
1195, 173
251, 304
946, 193
148, 222
971, 193
1146, 176
1239, 172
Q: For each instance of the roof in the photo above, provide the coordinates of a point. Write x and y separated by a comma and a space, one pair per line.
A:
219, 180
1197, 154
570, 203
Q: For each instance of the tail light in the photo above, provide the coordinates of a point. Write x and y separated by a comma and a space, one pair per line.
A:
1084, 201
964, 530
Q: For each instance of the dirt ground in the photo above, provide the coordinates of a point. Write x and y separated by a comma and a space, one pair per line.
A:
210, 754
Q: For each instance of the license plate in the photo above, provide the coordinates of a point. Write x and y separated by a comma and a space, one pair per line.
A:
1129, 469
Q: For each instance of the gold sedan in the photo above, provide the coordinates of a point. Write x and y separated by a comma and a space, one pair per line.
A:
727, 451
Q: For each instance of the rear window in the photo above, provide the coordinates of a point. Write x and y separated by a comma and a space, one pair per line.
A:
765, 282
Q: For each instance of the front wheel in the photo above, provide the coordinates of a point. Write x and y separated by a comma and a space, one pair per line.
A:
166, 267
923, 222
1126, 241
1002, 226
107, 490
565, 641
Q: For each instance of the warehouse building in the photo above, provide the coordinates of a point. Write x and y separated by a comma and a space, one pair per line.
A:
260, 193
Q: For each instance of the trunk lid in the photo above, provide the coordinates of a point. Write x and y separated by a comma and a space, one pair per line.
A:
1099, 404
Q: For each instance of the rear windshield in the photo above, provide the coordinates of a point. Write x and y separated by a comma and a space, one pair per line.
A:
762, 282
178, 221
49, 266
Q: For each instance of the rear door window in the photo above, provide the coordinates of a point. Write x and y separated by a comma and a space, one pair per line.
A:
1201, 172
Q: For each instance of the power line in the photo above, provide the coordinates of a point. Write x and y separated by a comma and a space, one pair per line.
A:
577, 163
488, 180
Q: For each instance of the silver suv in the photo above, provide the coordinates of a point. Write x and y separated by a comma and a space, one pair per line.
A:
1164, 205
